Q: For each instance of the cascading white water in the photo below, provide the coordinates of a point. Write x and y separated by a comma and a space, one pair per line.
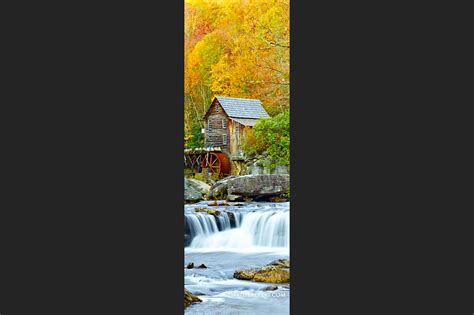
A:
270, 229
205, 224
238, 219
259, 228
224, 221
202, 224
248, 235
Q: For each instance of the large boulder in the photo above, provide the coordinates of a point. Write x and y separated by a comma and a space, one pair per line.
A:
251, 186
191, 194
202, 187
271, 274
245, 274
219, 189
259, 185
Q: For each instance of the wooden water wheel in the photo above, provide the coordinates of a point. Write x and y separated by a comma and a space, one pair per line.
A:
216, 162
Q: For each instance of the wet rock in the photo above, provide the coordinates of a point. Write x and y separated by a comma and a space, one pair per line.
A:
286, 286
270, 288
270, 274
280, 263
190, 265
251, 186
245, 274
215, 204
202, 266
190, 298
208, 211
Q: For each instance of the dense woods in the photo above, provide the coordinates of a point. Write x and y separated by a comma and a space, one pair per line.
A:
237, 157
237, 48
271, 136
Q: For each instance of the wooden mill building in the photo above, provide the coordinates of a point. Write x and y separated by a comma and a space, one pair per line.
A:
227, 121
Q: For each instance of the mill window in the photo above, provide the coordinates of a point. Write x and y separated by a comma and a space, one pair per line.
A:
224, 139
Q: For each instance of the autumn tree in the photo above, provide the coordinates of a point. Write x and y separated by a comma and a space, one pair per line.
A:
236, 48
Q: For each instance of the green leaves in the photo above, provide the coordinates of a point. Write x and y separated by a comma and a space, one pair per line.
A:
271, 136
195, 139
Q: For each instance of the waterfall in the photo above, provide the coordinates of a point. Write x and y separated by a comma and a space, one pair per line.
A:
259, 228
270, 229
224, 222
238, 219
200, 224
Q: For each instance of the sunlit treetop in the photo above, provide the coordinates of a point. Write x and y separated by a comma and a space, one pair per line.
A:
237, 48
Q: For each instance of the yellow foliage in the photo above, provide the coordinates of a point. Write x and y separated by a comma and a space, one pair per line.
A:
237, 48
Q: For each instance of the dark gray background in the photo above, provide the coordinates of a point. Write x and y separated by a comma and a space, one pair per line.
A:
91, 215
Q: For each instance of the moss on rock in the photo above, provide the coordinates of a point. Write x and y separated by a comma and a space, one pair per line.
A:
270, 274
245, 274
208, 211
190, 298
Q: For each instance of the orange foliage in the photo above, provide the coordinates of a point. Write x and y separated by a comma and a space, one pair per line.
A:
236, 48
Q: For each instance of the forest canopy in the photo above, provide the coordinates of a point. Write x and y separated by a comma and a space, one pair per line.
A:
237, 48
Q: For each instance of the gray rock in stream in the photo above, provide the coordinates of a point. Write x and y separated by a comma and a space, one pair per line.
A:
251, 186
269, 288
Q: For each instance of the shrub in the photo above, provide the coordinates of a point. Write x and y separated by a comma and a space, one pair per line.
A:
271, 136
195, 139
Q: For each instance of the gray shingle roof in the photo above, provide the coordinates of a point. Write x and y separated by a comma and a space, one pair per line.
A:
246, 121
242, 107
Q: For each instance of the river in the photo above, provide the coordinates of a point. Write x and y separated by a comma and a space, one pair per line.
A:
241, 236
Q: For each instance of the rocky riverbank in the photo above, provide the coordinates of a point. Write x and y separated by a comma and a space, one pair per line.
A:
237, 257
263, 187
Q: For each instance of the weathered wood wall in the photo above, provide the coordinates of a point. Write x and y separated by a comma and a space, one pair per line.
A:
224, 132
237, 136
234, 137
217, 128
